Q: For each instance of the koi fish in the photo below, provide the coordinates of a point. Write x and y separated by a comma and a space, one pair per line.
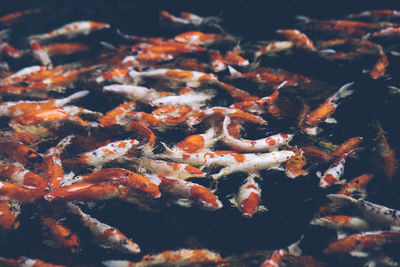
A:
232, 58
9, 212
8, 50
118, 75
237, 93
378, 70
277, 255
20, 75
294, 166
314, 153
298, 38
57, 49
25, 261
173, 257
261, 145
61, 234
333, 174
347, 146
169, 47
21, 153
386, 156
19, 193
257, 163
11, 18
325, 110
118, 115
171, 169
340, 222
355, 244
376, 14
217, 61
40, 54
117, 176
14, 109
72, 29
249, 197
190, 78
357, 184
193, 99
107, 235
191, 193
17, 174
198, 38
378, 214
273, 47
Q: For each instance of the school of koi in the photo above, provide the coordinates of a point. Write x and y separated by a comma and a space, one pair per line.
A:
65, 157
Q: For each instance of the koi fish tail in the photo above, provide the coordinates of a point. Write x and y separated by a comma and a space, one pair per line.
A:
73, 97
294, 248
234, 73
344, 91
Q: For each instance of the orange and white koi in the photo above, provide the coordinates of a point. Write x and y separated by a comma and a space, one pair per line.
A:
333, 174
299, 39
217, 61
294, 166
275, 259
13, 109
357, 184
355, 244
52, 163
11, 18
118, 176
72, 29
138, 93
237, 93
273, 47
248, 197
17, 174
375, 213
118, 75
117, 150
173, 257
191, 193
192, 99
347, 146
261, 145
169, 47
21, 75
20, 193
376, 14
61, 234
57, 49
8, 50
40, 54
27, 262
198, 38
21, 153
9, 212
340, 222
258, 162
171, 169
232, 58
118, 115
325, 110
191, 78
84, 192
108, 236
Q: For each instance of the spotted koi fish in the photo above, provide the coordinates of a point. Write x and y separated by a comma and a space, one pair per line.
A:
325, 110
191, 193
173, 257
333, 174
171, 169
261, 145
217, 61
61, 234
273, 48
70, 30
340, 222
20, 75
357, 184
107, 235
248, 197
118, 115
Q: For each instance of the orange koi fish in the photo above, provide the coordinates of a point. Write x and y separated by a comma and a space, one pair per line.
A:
237, 93
357, 184
17, 174
117, 116
340, 222
387, 161
61, 234
378, 70
313, 153
191, 193
248, 197
354, 244
19, 193
118, 75
294, 166
11, 18
198, 38
298, 38
25, 261
21, 75
118, 176
171, 169
261, 145
232, 58
21, 153
173, 257
70, 30
325, 110
347, 146
9, 211
57, 49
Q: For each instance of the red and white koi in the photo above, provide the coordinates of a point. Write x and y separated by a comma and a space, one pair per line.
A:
340, 222
299, 39
248, 197
375, 213
13, 109
191, 78
118, 115
61, 234
118, 176
171, 169
259, 106
9, 212
258, 162
118, 75
8, 50
261, 145
357, 243
40, 54
17, 174
173, 257
325, 110
198, 38
107, 235
273, 47
72, 29
191, 193
217, 61
333, 174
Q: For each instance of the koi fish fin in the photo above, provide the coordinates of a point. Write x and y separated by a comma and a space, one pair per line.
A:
232, 200
341, 234
70, 179
294, 248
234, 73
395, 53
167, 149
311, 131
331, 120
76, 96
183, 202
261, 208
359, 254
278, 168
344, 91
394, 89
